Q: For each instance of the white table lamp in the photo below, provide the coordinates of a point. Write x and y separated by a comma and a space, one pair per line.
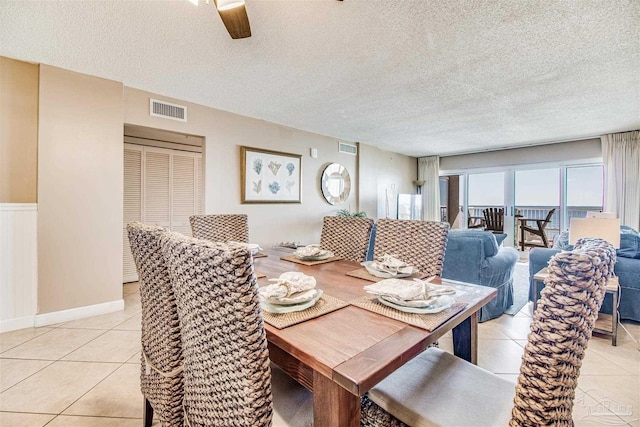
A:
603, 228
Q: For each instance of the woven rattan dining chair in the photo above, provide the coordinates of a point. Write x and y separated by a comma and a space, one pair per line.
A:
227, 376
419, 243
220, 227
347, 237
437, 388
161, 355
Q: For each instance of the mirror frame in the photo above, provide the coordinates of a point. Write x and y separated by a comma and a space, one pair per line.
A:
330, 172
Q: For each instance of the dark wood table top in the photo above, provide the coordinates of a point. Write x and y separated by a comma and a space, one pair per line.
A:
352, 347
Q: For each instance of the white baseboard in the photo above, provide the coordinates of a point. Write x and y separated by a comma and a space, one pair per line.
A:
9, 325
78, 313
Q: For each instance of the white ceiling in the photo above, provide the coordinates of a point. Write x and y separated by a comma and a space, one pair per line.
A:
416, 77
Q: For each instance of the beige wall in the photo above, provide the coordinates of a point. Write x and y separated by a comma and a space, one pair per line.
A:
224, 133
79, 190
380, 169
588, 150
18, 131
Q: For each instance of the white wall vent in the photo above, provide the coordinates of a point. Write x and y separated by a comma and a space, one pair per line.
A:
167, 110
347, 148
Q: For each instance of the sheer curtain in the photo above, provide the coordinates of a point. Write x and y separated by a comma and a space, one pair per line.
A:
428, 171
621, 155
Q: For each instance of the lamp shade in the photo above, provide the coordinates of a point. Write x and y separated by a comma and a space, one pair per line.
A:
603, 228
591, 214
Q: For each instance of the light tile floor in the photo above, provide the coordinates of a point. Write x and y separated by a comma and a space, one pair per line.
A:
85, 372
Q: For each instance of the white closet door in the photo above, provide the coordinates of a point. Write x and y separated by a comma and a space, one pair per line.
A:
157, 191
161, 187
132, 205
183, 192
200, 186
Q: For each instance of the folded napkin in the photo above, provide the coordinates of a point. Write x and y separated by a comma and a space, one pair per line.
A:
288, 285
416, 293
391, 265
310, 251
434, 290
397, 288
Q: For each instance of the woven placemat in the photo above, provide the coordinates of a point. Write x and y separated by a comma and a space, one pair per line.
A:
326, 304
362, 273
425, 321
260, 255
293, 258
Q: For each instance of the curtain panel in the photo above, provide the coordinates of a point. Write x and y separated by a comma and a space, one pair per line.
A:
621, 156
429, 172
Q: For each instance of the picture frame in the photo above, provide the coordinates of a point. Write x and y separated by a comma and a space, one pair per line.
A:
269, 176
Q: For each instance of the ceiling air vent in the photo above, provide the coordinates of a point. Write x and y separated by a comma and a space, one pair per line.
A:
167, 110
347, 148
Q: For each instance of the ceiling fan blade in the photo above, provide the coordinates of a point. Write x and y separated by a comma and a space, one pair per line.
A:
237, 22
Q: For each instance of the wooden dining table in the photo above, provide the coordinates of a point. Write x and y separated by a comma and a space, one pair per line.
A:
340, 355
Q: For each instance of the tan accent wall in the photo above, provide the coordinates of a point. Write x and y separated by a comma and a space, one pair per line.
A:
18, 131
379, 169
80, 190
224, 133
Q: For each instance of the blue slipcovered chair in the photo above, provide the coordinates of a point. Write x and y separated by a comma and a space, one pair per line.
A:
627, 269
474, 256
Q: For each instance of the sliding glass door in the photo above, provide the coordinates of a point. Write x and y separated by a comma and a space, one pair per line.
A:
537, 192
530, 193
585, 191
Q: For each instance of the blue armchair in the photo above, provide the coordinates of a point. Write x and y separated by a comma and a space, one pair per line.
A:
474, 256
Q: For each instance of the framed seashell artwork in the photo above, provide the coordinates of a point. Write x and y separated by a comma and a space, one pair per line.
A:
270, 176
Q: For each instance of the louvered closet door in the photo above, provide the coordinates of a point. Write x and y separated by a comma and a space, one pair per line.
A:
132, 205
183, 203
200, 186
161, 187
157, 190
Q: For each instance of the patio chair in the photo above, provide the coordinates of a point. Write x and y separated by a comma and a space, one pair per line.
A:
220, 227
227, 375
539, 230
494, 220
347, 237
474, 221
418, 243
432, 388
161, 353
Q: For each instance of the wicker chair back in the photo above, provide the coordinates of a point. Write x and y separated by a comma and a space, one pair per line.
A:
419, 243
561, 328
227, 378
161, 358
220, 227
347, 237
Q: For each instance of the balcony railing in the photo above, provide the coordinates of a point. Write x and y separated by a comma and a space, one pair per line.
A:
533, 212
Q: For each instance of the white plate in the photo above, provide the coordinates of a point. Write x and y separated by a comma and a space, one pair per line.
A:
383, 274
280, 309
443, 303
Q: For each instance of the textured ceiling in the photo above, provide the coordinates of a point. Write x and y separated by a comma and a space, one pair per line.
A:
416, 77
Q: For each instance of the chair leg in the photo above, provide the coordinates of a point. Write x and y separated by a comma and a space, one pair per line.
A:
544, 238
522, 238
148, 413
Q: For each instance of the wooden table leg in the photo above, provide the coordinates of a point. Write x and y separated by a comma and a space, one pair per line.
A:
465, 339
333, 405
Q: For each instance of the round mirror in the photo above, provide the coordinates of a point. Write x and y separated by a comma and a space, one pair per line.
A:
335, 184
